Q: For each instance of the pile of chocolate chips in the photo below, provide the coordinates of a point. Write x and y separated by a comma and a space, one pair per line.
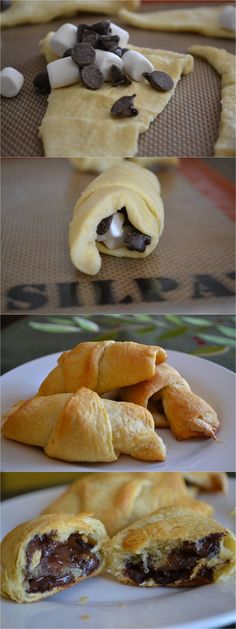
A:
133, 238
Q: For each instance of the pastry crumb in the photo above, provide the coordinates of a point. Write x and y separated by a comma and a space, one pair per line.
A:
83, 599
85, 617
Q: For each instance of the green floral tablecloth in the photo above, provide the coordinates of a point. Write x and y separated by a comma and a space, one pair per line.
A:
211, 337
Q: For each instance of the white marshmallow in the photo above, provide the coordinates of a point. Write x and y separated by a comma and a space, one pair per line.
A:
122, 34
104, 60
116, 227
63, 72
114, 243
11, 82
227, 18
136, 64
64, 38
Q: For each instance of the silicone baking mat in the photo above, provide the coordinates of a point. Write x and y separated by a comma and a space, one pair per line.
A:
187, 127
192, 269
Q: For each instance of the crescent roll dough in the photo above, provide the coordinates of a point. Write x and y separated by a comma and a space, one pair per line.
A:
224, 64
126, 186
78, 122
186, 413
51, 553
118, 499
204, 20
174, 547
99, 164
102, 366
34, 11
84, 427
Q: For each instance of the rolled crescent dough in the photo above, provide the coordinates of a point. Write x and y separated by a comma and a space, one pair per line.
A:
99, 164
78, 122
224, 64
34, 11
126, 185
204, 20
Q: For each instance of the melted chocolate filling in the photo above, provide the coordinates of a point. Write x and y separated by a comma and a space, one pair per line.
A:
179, 566
58, 561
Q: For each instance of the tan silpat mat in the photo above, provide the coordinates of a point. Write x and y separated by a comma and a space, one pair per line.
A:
188, 126
191, 269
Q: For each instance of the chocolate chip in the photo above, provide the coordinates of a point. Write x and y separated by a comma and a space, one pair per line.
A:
118, 77
118, 52
104, 225
159, 80
124, 50
67, 53
42, 83
135, 240
123, 107
83, 54
5, 4
102, 28
90, 37
108, 42
91, 77
81, 28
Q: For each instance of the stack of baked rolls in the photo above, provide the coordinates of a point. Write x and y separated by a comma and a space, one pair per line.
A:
72, 419
159, 536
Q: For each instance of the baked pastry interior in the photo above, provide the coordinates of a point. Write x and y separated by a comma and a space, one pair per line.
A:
50, 553
174, 547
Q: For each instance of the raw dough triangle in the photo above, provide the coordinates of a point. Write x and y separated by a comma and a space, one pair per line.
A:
34, 11
224, 64
78, 122
203, 20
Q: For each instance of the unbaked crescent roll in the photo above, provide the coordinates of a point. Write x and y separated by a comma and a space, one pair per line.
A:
84, 427
204, 20
102, 366
224, 64
186, 413
174, 547
118, 499
120, 213
36, 11
51, 553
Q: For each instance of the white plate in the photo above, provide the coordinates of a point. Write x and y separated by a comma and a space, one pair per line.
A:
111, 605
212, 382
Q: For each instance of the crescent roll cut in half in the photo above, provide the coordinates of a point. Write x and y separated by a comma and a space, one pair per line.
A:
170, 400
102, 366
37, 11
51, 553
118, 499
84, 427
120, 213
174, 547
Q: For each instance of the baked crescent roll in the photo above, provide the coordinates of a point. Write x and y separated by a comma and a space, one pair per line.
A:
120, 213
51, 553
224, 64
118, 499
84, 427
102, 366
33, 12
207, 481
174, 547
204, 20
169, 398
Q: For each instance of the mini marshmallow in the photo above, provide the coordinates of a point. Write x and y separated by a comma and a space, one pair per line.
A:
136, 64
11, 82
114, 243
116, 227
122, 34
104, 60
63, 72
64, 38
227, 18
